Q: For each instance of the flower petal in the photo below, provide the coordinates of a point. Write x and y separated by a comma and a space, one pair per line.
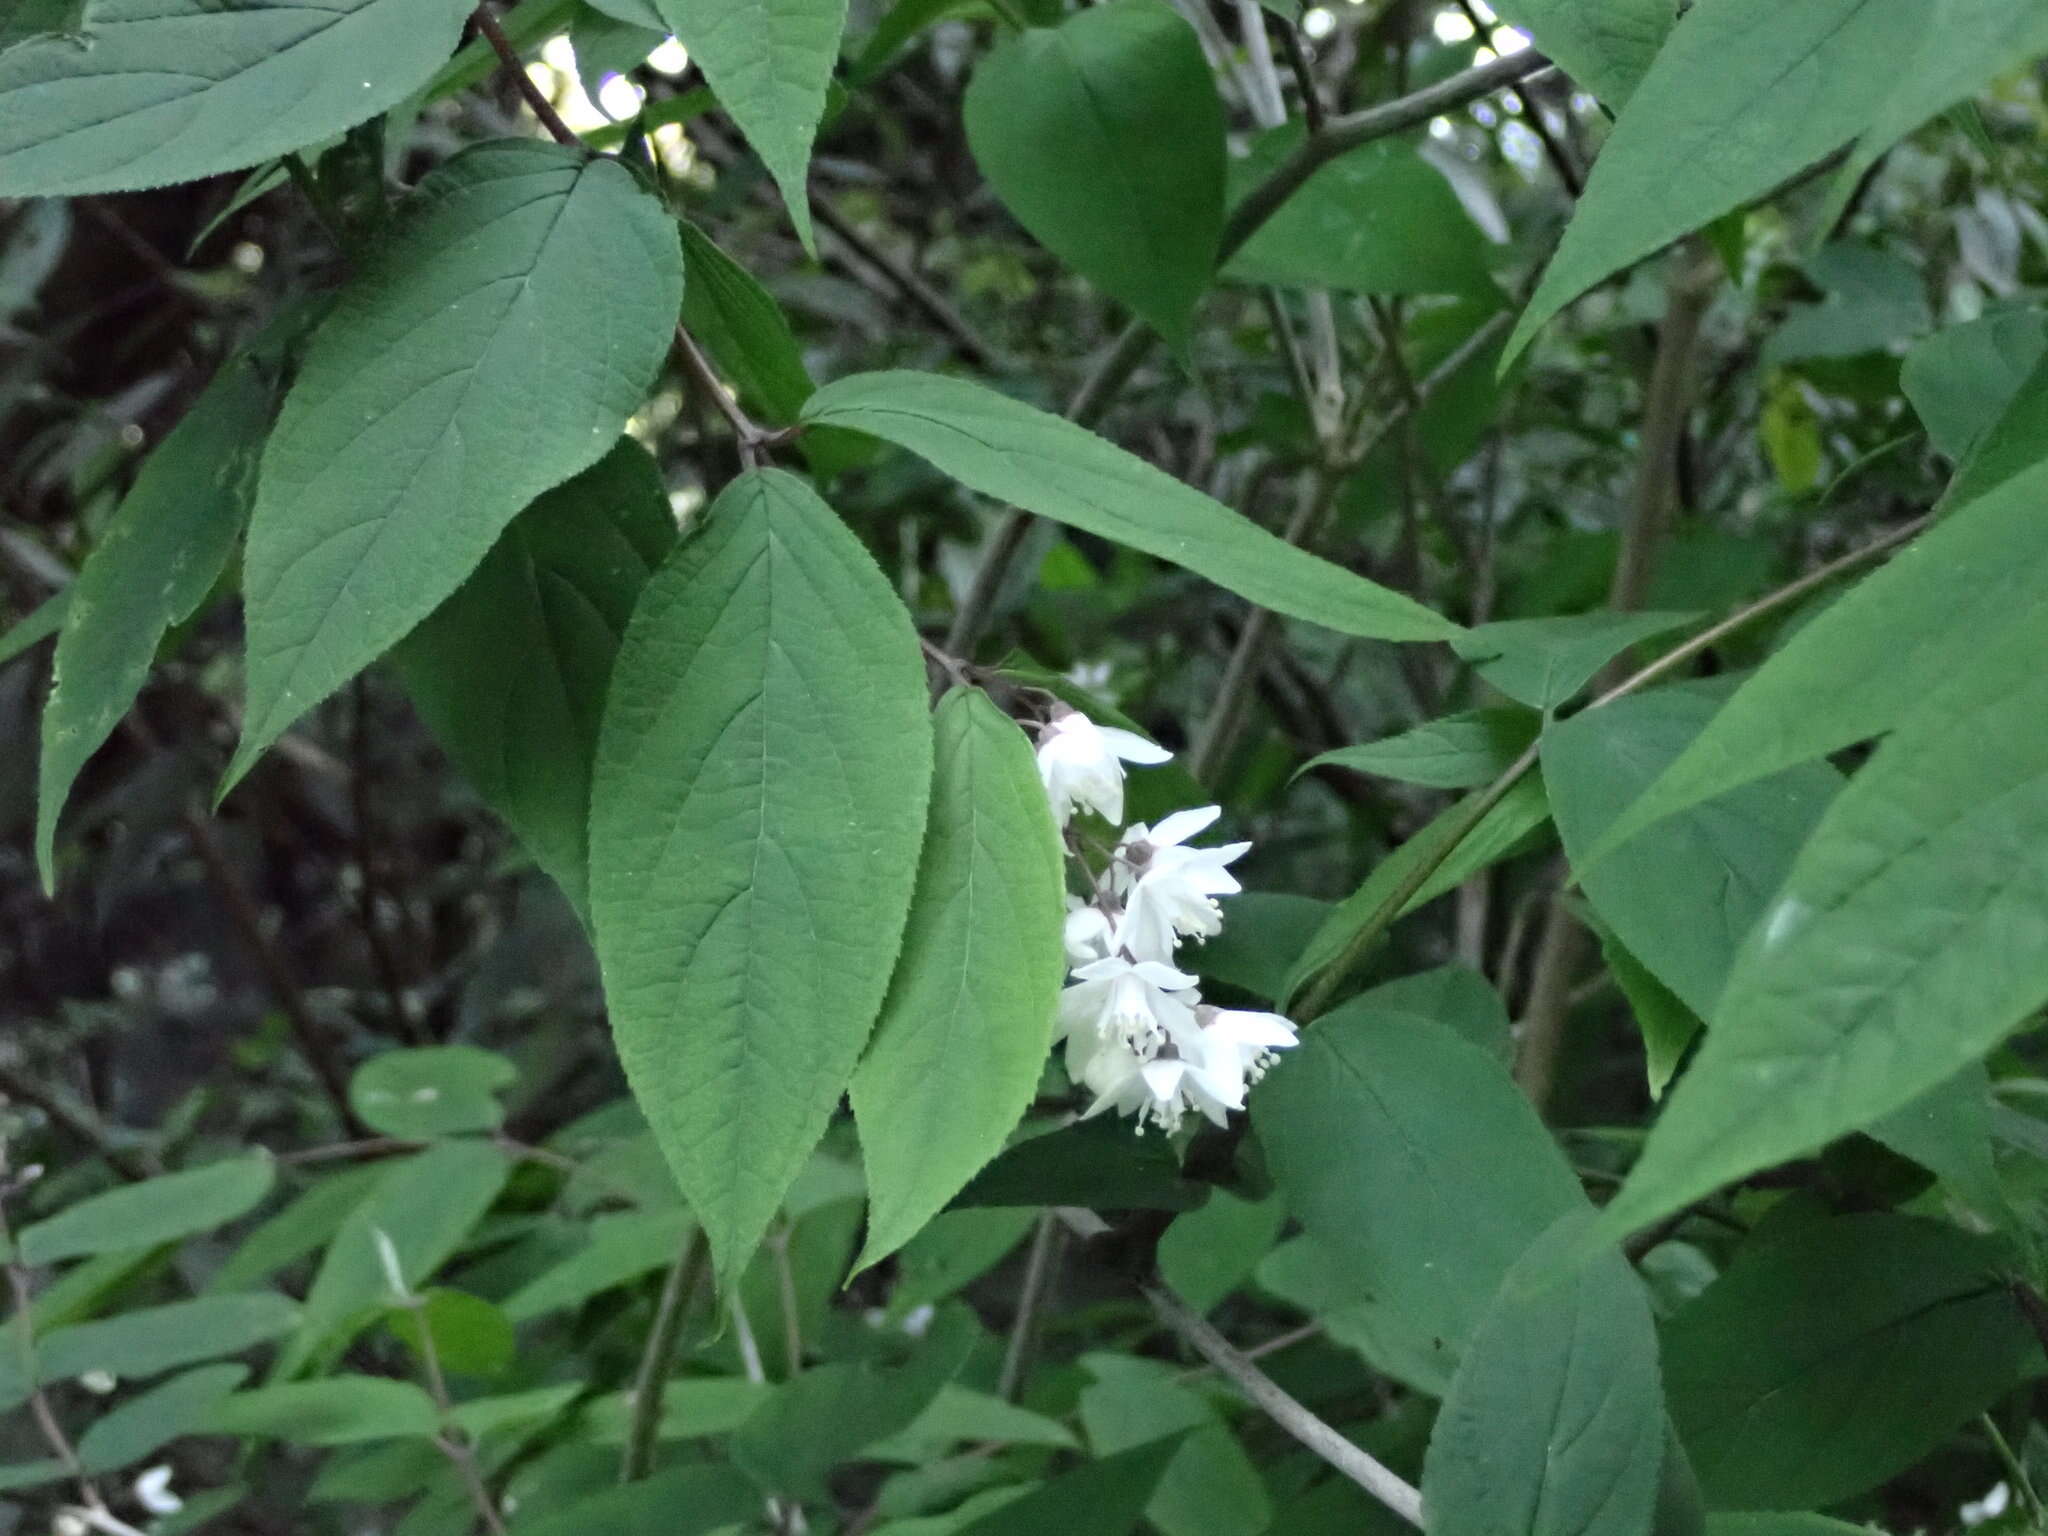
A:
1131, 747
1182, 825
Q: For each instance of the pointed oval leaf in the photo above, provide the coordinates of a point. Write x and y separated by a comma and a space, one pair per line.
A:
1021, 455
1922, 895
490, 349
1545, 662
163, 1414
1835, 1354
964, 1032
1456, 752
341, 1410
1554, 1424
769, 62
176, 90
1098, 1498
161, 555
756, 817
1745, 94
1605, 45
1123, 89
555, 592
151, 1340
158, 1210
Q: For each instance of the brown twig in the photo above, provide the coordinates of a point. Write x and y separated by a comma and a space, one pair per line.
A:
494, 34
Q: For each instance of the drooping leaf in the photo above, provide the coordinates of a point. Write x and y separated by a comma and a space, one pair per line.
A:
770, 62
1962, 588
1211, 1487
1743, 95
150, 1340
1668, 1027
1604, 45
1379, 220
1922, 894
1836, 1353
1099, 1498
1682, 895
1544, 662
1017, 454
1455, 752
415, 432
1411, 1156
159, 1210
429, 1091
341, 1410
169, 1412
1963, 378
1554, 1424
1123, 89
159, 558
556, 591
964, 1030
756, 817
178, 90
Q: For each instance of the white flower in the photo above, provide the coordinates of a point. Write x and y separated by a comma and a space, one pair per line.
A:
1132, 1002
70, 1522
1088, 932
1159, 1079
1170, 890
1990, 1507
1253, 1040
153, 1492
1079, 762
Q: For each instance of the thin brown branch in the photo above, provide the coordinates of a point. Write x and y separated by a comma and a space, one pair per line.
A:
494, 34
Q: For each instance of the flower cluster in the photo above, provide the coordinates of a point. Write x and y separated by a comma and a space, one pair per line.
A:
1138, 1035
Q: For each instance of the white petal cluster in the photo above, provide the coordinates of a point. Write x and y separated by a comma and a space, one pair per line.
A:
1138, 1035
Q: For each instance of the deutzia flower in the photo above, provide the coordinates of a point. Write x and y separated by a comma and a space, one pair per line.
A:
1170, 890
1082, 764
153, 1492
1089, 932
1253, 1039
1131, 1002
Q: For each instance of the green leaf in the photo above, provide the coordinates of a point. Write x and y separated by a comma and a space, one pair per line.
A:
1410, 1155
1681, 895
1961, 380
742, 327
31, 1474
424, 1206
964, 1031
1554, 1424
555, 591
1745, 94
1837, 1353
1210, 1488
1668, 1027
1455, 752
1874, 301
178, 90
1545, 662
1948, 1131
410, 440
160, 557
1379, 220
1498, 833
158, 1210
180, 1407
1101, 1498
429, 1091
682, 1501
45, 620
1454, 996
469, 1336
1017, 454
1263, 934
621, 1249
1098, 1164
770, 62
959, 1415
1123, 90
1604, 45
756, 816
1208, 1253
2015, 442
151, 1340
1964, 588
1917, 897
302, 1226
341, 1410
952, 1250
692, 1408
1781, 1525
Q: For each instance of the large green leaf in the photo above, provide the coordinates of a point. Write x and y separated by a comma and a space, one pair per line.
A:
1684, 893
177, 90
472, 364
1965, 587
1380, 219
1410, 1155
756, 818
1921, 896
739, 323
143, 1424
1554, 1424
770, 62
1745, 94
510, 672
1017, 454
1123, 90
1962, 379
963, 1034
159, 1210
160, 557
1099, 1498
1836, 1353
1604, 45
1211, 1487
150, 1340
